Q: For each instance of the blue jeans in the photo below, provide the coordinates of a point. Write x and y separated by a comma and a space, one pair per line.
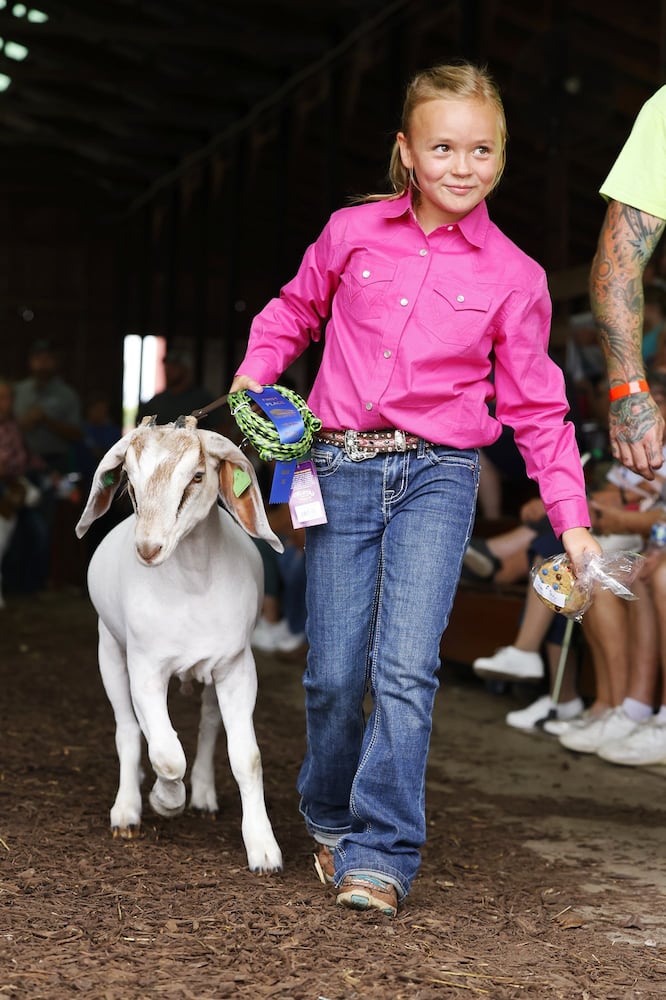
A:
381, 578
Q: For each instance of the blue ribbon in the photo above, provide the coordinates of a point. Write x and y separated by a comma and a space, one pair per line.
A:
290, 428
283, 413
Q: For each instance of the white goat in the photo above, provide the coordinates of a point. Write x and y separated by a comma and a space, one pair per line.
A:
177, 587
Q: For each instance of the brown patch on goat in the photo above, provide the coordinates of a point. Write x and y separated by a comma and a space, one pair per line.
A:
179, 444
244, 505
137, 444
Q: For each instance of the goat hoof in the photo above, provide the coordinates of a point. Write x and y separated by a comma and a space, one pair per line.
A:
263, 862
167, 799
130, 832
203, 798
210, 814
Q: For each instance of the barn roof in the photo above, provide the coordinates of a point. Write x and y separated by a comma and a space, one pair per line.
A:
114, 105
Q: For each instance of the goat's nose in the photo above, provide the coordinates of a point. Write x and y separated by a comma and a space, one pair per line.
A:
148, 551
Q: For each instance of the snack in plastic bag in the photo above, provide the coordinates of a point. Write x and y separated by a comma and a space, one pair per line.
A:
558, 588
569, 595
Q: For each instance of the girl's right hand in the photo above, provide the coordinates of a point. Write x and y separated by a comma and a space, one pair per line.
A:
245, 382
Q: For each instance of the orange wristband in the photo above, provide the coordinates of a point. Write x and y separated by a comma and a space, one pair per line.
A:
628, 389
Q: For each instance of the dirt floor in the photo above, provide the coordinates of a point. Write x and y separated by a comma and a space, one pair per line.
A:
544, 874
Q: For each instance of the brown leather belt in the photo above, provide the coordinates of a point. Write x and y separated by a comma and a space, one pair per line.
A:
359, 445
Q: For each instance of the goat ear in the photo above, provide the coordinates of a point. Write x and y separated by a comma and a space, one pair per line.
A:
239, 489
105, 483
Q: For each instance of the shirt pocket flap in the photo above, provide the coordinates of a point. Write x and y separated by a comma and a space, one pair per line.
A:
463, 300
368, 272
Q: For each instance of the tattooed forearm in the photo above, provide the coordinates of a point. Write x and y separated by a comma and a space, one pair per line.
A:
637, 233
623, 352
626, 243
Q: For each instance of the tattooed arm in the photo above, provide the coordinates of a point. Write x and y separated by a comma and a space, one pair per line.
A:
627, 241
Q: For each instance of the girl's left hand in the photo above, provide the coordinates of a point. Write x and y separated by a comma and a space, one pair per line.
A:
579, 545
245, 382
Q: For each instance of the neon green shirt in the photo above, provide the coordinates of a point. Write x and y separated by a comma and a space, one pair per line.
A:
638, 176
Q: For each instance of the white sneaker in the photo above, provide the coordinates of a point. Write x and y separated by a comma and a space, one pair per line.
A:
539, 710
558, 726
510, 664
267, 635
555, 727
527, 718
645, 745
613, 725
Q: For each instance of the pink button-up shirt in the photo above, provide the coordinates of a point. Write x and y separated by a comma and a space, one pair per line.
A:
414, 326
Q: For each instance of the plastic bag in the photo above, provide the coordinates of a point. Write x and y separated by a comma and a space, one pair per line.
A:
569, 595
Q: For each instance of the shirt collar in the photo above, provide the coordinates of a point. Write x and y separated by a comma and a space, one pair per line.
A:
473, 226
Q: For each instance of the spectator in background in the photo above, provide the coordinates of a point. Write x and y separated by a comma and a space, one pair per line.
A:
500, 465
539, 628
585, 368
100, 432
632, 228
281, 628
622, 512
48, 411
13, 454
645, 744
13, 464
181, 395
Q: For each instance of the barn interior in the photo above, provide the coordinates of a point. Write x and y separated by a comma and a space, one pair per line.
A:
164, 163
163, 166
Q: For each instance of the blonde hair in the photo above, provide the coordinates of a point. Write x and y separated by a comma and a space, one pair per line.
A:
456, 80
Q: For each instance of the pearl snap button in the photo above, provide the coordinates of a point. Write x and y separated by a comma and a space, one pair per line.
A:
368, 406
366, 274
423, 252
387, 354
449, 228
404, 302
460, 298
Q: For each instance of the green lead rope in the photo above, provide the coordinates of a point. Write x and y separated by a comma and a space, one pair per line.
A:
262, 432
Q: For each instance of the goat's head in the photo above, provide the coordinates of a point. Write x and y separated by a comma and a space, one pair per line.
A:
175, 472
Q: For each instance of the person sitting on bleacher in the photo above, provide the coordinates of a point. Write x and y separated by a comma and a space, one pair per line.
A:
622, 512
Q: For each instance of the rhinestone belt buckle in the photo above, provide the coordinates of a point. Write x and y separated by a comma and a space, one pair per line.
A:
400, 440
354, 450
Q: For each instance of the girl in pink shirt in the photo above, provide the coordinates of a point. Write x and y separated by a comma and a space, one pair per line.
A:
420, 299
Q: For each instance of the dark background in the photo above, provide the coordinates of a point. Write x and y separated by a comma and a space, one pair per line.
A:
164, 163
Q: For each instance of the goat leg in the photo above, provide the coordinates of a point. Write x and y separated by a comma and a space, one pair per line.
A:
166, 754
236, 694
203, 797
126, 810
